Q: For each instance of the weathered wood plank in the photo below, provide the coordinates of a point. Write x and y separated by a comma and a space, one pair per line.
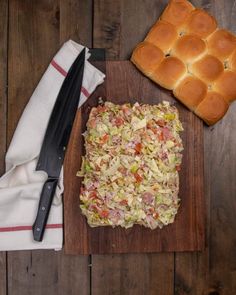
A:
3, 274
33, 40
32, 43
3, 117
133, 274
76, 21
118, 27
75, 24
107, 27
47, 272
213, 271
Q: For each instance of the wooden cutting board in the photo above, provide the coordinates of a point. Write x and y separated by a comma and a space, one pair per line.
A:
126, 84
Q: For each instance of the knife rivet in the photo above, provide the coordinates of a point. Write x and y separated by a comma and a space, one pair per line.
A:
43, 208
38, 229
64, 148
49, 186
59, 158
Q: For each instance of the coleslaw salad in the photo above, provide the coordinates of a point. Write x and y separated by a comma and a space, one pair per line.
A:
131, 167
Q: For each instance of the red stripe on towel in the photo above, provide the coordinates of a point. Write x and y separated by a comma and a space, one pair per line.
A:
28, 227
58, 67
85, 91
64, 73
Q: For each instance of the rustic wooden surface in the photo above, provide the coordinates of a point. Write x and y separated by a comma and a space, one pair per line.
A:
124, 83
30, 33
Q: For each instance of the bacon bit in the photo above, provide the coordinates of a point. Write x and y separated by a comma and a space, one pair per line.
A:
161, 136
178, 168
104, 213
126, 110
138, 148
93, 207
82, 189
119, 121
124, 203
93, 195
155, 215
138, 177
104, 139
101, 109
122, 170
92, 123
151, 210
161, 123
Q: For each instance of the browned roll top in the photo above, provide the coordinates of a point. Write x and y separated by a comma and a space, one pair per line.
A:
186, 52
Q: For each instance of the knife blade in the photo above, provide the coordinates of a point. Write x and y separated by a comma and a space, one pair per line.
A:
56, 140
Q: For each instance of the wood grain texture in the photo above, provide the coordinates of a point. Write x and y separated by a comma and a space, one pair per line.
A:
28, 58
47, 272
107, 27
33, 40
120, 25
3, 118
135, 274
32, 44
213, 271
76, 21
124, 83
130, 21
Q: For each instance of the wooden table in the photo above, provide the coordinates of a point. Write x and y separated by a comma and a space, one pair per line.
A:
30, 34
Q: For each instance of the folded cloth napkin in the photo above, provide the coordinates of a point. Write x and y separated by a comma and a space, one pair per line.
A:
21, 185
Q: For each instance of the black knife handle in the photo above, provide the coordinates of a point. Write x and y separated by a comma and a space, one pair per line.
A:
45, 202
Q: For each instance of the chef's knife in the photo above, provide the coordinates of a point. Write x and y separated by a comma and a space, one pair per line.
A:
56, 139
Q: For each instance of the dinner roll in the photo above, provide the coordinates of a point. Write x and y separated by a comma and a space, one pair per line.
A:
191, 91
208, 68
163, 35
186, 53
177, 12
200, 23
189, 47
212, 108
232, 61
226, 85
147, 57
221, 44
169, 72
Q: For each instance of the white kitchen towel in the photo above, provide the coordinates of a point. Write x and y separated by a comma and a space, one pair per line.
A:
21, 185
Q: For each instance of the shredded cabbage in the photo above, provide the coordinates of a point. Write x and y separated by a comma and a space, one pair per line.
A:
130, 170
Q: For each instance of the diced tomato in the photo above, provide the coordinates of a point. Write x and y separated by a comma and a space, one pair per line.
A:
126, 110
155, 215
119, 121
104, 138
178, 168
93, 195
93, 207
104, 213
122, 170
138, 177
101, 109
161, 123
82, 189
151, 210
138, 148
124, 203
92, 123
160, 136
